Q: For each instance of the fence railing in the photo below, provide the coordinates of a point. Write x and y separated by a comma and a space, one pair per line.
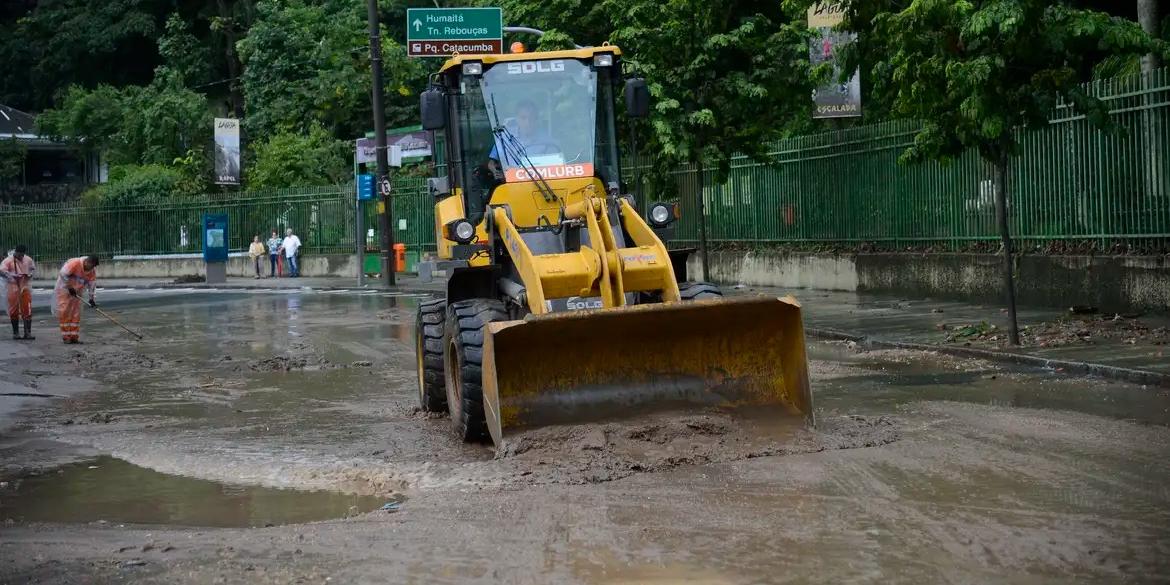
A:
1069, 182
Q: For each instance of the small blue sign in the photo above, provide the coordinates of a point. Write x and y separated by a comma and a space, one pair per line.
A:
365, 187
215, 237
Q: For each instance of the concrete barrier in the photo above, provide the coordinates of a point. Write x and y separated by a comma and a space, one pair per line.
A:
172, 266
1112, 283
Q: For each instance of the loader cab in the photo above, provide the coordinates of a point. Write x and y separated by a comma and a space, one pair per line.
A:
531, 131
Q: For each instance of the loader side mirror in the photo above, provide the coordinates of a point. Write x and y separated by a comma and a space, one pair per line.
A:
433, 109
637, 98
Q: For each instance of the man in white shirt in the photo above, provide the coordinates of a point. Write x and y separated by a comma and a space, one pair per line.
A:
291, 245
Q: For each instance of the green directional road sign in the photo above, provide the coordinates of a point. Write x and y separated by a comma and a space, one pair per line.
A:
439, 32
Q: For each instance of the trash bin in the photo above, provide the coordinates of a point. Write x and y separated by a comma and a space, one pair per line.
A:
399, 257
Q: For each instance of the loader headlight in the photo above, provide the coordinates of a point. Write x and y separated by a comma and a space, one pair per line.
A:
460, 231
473, 68
660, 214
603, 60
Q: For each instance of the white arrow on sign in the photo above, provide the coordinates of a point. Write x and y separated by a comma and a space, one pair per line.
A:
417, 24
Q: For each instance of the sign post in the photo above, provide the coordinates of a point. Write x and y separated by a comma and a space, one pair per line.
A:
365, 192
441, 32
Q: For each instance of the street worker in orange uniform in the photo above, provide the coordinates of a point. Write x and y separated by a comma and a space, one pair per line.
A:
16, 271
76, 276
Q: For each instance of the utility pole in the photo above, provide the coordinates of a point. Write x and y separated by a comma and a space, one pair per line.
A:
383, 178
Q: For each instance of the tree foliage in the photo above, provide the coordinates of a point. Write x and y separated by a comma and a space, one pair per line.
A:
12, 155
136, 183
183, 54
727, 76
147, 125
307, 64
974, 70
65, 42
313, 158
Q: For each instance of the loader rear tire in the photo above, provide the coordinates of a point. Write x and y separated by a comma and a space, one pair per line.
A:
463, 362
428, 333
693, 291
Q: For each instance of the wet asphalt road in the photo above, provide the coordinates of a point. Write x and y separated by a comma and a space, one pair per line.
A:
925, 468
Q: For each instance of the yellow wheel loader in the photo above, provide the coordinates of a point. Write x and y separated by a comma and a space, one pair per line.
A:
563, 304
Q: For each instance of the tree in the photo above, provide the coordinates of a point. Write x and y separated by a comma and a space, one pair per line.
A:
727, 76
183, 54
136, 183
973, 71
89, 120
286, 158
12, 156
307, 63
154, 124
63, 42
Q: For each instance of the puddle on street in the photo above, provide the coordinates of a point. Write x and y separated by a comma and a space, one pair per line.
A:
881, 384
116, 491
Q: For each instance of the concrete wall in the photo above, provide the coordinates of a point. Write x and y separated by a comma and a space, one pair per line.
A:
176, 265
1112, 283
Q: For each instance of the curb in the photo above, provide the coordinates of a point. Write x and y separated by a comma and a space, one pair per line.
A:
1144, 377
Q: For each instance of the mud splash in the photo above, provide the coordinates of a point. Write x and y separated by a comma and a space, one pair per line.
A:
593, 453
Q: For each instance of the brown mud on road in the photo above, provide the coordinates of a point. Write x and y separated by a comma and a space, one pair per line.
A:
923, 468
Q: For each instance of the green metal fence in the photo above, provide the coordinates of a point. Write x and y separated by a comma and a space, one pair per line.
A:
1068, 181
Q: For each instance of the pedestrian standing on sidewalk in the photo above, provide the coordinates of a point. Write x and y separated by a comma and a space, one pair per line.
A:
273, 252
77, 276
256, 252
16, 271
291, 245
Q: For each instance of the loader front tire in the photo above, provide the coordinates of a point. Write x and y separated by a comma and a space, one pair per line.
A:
463, 363
428, 334
694, 291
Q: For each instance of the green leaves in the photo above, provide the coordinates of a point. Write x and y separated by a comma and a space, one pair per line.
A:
727, 76
978, 69
313, 158
307, 64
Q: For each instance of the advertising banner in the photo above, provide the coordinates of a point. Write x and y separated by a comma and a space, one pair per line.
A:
834, 99
411, 144
227, 151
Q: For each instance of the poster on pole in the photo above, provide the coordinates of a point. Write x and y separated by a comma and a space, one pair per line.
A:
834, 99
412, 144
227, 151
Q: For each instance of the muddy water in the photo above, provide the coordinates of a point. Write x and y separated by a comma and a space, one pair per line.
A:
923, 468
877, 381
112, 490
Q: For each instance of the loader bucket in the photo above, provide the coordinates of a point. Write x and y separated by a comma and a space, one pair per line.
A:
600, 364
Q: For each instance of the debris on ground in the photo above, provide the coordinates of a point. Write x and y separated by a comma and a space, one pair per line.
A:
1076, 329
189, 278
281, 363
391, 507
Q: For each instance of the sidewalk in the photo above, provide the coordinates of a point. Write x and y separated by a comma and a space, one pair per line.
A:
1127, 348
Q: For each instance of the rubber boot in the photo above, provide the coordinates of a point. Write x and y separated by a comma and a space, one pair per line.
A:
28, 329
16, 328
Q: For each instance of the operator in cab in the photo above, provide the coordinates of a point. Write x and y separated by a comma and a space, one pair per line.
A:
530, 136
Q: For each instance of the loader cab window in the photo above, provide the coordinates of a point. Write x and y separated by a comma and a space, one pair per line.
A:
548, 114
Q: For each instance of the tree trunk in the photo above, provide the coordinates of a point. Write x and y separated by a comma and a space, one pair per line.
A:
1148, 17
233, 62
1152, 125
1001, 214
